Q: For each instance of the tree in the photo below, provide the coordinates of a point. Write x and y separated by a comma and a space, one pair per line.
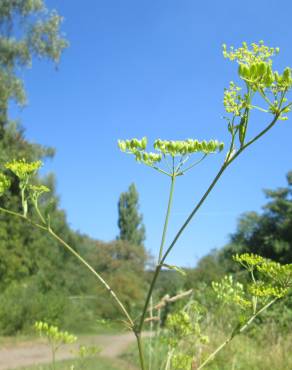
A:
27, 30
130, 221
268, 234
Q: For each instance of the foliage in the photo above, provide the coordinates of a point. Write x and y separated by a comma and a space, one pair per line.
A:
130, 222
267, 234
57, 338
28, 29
99, 363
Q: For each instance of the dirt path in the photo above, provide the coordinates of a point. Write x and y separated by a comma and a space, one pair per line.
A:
30, 353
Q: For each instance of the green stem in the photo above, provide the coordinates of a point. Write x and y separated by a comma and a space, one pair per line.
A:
19, 215
166, 218
39, 212
192, 165
141, 352
159, 266
185, 224
235, 333
53, 356
149, 294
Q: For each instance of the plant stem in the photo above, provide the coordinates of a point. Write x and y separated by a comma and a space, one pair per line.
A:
166, 217
149, 294
235, 333
19, 215
141, 352
53, 358
151, 332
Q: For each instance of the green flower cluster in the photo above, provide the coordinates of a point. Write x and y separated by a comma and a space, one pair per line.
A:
164, 148
189, 146
249, 260
261, 76
279, 274
255, 54
277, 277
184, 335
4, 183
262, 290
132, 144
256, 70
233, 102
258, 75
53, 334
37, 190
230, 291
29, 192
185, 323
182, 361
87, 351
137, 148
23, 169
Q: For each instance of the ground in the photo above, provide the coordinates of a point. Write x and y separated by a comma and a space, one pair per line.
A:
27, 353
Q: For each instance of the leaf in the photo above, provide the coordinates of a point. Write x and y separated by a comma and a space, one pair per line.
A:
175, 268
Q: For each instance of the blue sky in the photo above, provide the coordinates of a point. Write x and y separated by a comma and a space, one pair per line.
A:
154, 68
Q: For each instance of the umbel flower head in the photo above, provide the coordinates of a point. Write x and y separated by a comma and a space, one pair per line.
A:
181, 150
23, 169
255, 69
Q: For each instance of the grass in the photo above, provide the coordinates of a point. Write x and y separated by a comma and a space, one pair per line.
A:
264, 350
12, 341
89, 364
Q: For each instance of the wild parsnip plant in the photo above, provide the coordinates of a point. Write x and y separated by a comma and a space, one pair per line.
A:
269, 282
55, 337
259, 88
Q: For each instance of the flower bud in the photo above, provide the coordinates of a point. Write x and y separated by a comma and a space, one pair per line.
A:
144, 143
122, 145
262, 68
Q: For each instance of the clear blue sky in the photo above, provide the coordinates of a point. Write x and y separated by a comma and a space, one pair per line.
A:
153, 68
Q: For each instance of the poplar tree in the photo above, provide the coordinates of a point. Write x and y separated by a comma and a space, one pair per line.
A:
130, 221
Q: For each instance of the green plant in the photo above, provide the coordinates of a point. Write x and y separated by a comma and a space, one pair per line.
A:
55, 337
85, 355
174, 159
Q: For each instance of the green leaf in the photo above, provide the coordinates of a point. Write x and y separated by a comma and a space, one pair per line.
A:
175, 268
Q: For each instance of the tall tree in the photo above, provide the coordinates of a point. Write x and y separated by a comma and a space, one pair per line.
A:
130, 221
27, 30
268, 234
